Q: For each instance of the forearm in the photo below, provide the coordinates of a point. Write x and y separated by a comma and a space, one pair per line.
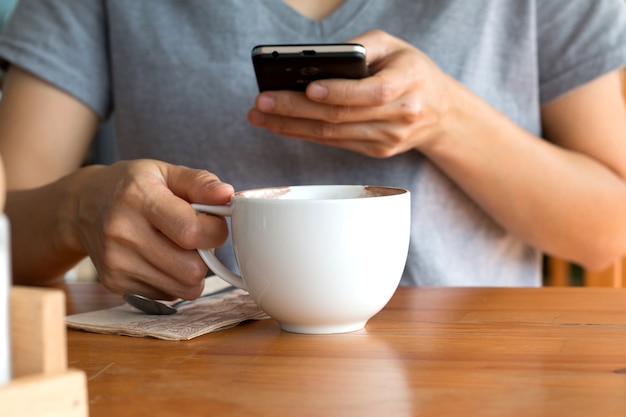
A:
563, 202
45, 243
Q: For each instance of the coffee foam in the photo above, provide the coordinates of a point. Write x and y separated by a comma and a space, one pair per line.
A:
380, 191
266, 193
321, 192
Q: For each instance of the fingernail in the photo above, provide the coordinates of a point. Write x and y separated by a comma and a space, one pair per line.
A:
317, 91
266, 103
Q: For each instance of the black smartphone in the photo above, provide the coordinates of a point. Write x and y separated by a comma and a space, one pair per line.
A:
293, 67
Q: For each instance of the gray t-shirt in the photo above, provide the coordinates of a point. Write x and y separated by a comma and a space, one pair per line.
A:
179, 78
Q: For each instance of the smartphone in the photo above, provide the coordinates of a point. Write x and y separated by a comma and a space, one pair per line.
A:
293, 67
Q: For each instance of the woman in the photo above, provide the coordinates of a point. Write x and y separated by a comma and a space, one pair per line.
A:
504, 120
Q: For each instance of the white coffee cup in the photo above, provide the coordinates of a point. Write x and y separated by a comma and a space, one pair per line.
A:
320, 258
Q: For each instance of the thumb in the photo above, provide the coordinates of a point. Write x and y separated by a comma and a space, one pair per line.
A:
197, 185
377, 43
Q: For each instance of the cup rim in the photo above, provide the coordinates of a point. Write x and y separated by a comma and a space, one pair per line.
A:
274, 193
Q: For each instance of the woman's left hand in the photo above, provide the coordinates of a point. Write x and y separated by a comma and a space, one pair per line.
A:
401, 106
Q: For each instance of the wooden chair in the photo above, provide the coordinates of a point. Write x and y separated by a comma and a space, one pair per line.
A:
560, 272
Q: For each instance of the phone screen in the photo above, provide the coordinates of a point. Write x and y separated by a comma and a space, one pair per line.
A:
293, 67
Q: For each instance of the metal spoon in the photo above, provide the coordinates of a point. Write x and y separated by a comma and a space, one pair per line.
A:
150, 306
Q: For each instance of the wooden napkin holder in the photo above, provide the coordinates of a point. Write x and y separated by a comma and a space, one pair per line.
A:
42, 385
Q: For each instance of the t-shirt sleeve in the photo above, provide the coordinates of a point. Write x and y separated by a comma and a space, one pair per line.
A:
63, 43
578, 41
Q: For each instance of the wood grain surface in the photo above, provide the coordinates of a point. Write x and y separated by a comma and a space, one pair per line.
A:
430, 352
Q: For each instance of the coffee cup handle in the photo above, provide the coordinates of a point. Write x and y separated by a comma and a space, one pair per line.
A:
207, 255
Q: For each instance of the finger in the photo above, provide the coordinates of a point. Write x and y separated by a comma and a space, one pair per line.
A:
197, 186
157, 269
378, 44
181, 270
314, 120
174, 216
379, 89
181, 277
150, 283
407, 109
135, 248
392, 67
377, 138
297, 106
179, 222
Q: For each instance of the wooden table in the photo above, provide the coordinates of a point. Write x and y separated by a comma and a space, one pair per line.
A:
431, 352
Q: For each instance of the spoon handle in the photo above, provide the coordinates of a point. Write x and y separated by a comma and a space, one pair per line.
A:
159, 308
204, 296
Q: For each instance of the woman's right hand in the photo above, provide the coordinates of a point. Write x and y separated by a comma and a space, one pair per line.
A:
135, 221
